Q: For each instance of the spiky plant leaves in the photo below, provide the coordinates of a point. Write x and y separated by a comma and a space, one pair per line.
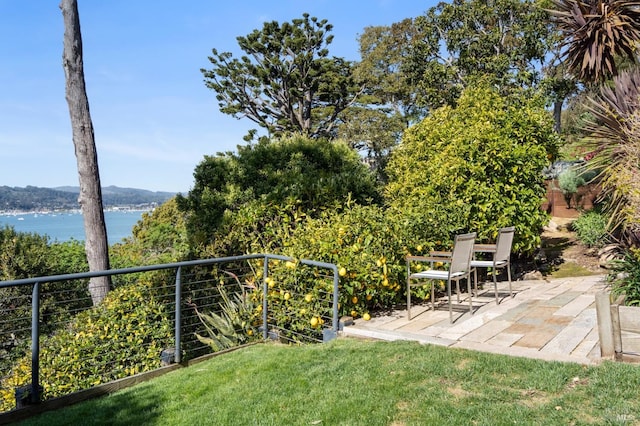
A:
597, 33
614, 130
227, 328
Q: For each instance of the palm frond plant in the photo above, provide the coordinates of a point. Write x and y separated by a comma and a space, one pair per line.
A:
614, 129
597, 34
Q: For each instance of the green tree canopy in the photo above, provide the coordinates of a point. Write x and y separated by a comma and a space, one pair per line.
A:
476, 167
419, 64
286, 82
454, 43
312, 173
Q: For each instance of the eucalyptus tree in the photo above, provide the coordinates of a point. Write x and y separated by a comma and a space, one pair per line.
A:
96, 243
286, 82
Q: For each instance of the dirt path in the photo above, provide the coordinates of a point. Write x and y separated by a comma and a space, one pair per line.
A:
561, 247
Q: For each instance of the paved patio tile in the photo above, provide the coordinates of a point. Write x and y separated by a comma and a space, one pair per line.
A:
576, 306
488, 331
505, 339
566, 340
552, 320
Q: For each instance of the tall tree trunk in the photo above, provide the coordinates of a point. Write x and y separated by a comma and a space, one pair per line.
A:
96, 243
557, 115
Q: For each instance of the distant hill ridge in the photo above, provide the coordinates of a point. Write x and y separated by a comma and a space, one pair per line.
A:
66, 197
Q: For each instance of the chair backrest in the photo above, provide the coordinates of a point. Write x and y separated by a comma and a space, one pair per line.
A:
503, 244
462, 252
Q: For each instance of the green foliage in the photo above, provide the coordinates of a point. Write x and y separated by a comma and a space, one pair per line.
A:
476, 167
591, 228
367, 241
312, 174
24, 255
160, 236
374, 132
68, 257
569, 182
286, 82
614, 128
367, 244
462, 40
122, 336
625, 277
233, 325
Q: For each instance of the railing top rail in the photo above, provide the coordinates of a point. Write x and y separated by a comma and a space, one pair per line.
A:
111, 272
147, 268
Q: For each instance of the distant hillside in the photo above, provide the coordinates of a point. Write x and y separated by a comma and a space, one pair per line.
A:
66, 197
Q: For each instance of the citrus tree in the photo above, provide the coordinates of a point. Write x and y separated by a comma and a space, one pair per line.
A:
475, 167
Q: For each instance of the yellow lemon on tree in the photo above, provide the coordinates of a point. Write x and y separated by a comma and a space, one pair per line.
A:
308, 298
366, 316
287, 296
354, 300
342, 271
314, 322
290, 264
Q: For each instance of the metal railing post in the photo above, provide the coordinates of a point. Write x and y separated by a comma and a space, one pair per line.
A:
265, 287
336, 296
178, 350
35, 344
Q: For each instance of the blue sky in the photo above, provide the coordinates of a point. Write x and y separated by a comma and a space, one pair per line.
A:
154, 119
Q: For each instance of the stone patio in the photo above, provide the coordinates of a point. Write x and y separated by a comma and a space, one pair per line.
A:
550, 320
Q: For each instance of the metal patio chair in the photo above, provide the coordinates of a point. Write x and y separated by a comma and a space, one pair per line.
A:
459, 260
501, 254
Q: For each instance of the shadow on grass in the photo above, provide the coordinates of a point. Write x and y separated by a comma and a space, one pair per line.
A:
143, 406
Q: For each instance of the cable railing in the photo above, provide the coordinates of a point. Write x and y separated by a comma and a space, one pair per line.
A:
163, 314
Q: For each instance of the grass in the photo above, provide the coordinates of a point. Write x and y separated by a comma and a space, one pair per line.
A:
570, 269
358, 382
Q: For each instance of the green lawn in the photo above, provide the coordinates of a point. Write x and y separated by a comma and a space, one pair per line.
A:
357, 382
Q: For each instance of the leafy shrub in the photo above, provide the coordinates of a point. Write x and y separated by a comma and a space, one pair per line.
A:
591, 228
367, 247
24, 255
160, 236
480, 162
312, 173
122, 336
625, 277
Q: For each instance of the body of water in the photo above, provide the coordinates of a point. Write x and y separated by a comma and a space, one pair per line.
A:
64, 226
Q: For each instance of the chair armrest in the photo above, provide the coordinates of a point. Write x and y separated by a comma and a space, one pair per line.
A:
428, 259
487, 248
440, 253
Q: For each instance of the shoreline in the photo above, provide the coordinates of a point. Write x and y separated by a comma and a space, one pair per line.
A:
123, 209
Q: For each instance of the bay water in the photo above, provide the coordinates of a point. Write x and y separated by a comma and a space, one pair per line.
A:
64, 226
